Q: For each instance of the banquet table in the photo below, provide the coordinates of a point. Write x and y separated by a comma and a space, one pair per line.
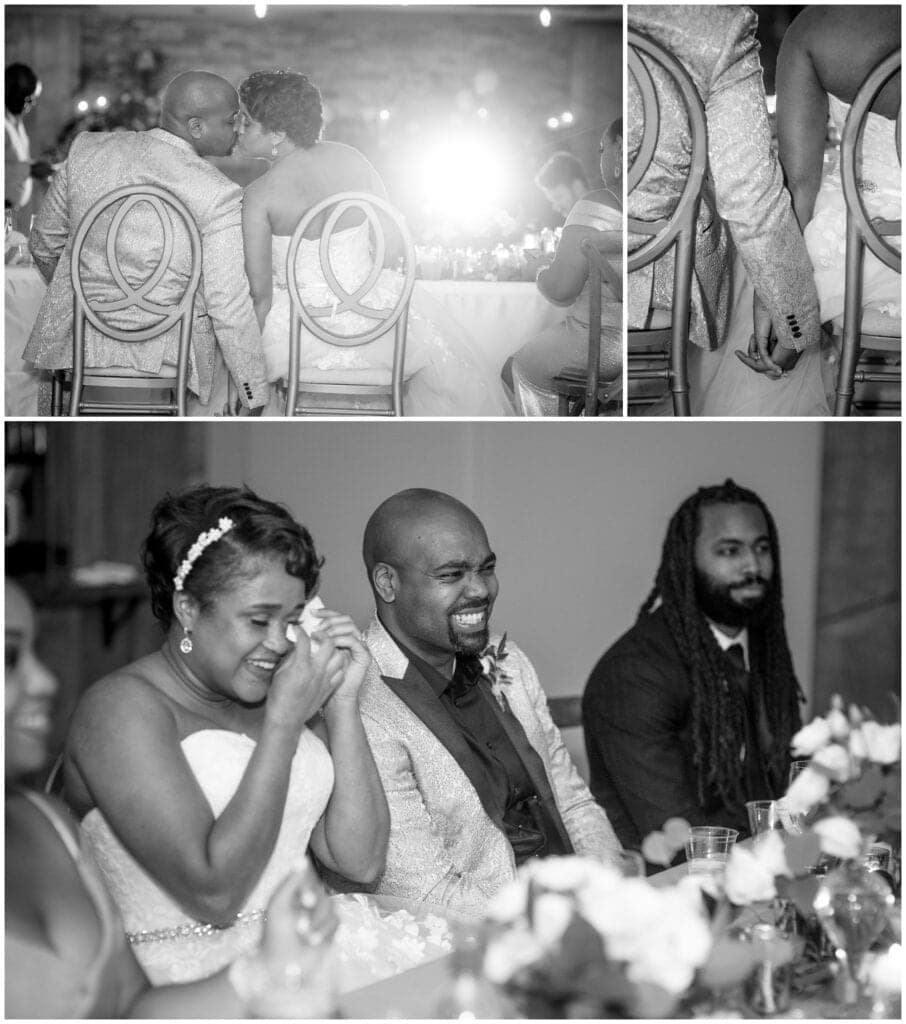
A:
23, 291
501, 316
410, 995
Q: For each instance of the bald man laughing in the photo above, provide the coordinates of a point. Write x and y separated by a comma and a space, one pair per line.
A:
476, 774
199, 119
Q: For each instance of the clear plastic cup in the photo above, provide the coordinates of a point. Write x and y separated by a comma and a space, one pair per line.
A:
708, 847
764, 816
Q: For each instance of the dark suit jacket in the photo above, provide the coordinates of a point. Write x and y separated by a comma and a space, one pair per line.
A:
636, 712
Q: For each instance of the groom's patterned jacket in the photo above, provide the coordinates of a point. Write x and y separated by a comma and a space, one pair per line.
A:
444, 848
97, 164
743, 190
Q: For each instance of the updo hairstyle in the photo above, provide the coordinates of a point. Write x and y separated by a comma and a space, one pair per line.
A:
284, 101
261, 529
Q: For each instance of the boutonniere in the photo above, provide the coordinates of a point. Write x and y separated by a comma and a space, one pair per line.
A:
492, 669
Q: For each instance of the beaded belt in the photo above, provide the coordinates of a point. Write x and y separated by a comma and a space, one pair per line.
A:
185, 930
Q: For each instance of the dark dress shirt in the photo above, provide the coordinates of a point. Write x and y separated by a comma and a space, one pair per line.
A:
637, 716
519, 808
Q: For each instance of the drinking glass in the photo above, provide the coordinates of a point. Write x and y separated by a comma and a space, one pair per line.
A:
796, 767
708, 847
764, 816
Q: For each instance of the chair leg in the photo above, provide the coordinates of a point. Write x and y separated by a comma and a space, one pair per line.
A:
56, 394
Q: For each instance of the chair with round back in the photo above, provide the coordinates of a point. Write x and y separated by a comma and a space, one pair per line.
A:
169, 210
667, 345
346, 389
864, 330
579, 389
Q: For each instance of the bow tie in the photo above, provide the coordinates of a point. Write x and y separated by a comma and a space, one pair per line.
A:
466, 674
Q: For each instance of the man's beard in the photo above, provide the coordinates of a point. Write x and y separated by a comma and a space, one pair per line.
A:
469, 643
717, 603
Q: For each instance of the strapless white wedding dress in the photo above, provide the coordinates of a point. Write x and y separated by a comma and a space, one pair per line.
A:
447, 374
372, 941
878, 175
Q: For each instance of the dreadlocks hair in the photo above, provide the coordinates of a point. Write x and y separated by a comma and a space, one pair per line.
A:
718, 711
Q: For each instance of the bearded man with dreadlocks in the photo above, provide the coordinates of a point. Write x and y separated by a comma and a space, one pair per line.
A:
690, 713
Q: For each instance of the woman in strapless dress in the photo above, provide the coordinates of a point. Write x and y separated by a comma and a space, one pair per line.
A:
204, 771
446, 372
66, 953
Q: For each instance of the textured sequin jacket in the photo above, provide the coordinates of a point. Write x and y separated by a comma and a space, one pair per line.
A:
444, 849
744, 189
97, 164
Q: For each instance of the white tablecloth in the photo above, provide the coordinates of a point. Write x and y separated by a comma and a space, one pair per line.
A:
23, 290
501, 316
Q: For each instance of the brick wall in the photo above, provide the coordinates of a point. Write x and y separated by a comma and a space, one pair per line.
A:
420, 64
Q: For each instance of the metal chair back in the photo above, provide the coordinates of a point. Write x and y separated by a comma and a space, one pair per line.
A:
169, 209
862, 232
317, 319
583, 394
679, 228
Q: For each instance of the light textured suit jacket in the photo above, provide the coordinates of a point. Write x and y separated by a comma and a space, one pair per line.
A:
97, 164
444, 848
717, 46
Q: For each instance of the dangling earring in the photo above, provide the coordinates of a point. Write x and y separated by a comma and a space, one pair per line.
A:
185, 645
273, 149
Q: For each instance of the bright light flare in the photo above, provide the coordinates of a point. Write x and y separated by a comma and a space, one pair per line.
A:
384, 115
544, 16
101, 102
771, 102
567, 117
82, 106
260, 10
553, 122
463, 178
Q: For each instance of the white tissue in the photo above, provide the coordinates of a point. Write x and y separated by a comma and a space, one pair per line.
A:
308, 622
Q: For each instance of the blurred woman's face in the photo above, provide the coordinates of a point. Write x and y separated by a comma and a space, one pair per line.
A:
239, 641
254, 139
30, 689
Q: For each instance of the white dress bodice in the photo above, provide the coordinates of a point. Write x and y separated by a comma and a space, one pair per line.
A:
218, 760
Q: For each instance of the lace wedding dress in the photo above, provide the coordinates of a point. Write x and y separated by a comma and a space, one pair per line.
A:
446, 373
878, 177
371, 942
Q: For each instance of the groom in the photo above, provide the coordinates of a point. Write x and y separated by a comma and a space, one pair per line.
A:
199, 119
476, 774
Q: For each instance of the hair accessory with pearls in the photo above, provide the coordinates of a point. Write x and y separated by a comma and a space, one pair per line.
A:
223, 526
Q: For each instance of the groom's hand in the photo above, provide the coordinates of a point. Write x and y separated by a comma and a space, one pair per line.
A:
765, 355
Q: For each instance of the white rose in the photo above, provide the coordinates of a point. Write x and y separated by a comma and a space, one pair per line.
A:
507, 953
838, 724
747, 880
810, 738
855, 716
857, 745
836, 761
839, 837
882, 741
551, 913
562, 874
771, 853
809, 788
509, 902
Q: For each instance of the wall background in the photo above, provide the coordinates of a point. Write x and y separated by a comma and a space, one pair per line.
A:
575, 515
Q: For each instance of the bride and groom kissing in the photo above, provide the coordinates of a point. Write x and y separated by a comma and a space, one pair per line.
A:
770, 239
242, 311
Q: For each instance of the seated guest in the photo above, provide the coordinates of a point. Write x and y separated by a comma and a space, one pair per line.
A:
476, 774
690, 713
199, 119
202, 772
22, 89
598, 215
66, 954
562, 179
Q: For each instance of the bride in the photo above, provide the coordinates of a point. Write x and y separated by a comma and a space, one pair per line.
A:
204, 771
826, 55
282, 123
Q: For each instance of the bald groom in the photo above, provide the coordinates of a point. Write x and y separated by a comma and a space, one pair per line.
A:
199, 120
476, 774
